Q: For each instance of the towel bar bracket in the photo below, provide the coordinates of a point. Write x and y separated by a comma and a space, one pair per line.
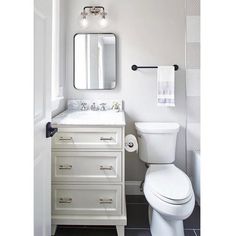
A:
135, 67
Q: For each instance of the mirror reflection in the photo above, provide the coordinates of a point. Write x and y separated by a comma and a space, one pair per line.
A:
94, 61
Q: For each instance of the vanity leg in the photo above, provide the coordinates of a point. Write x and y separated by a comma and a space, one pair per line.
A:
120, 230
53, 229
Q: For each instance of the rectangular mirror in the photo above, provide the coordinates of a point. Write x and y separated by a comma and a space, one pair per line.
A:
94, 61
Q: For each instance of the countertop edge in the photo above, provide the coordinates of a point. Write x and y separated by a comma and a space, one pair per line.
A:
82, 124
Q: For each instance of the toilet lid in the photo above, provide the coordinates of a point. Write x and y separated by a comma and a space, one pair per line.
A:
169, 183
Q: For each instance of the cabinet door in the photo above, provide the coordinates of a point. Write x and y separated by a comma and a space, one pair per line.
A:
99, 200
86, 166
99, 138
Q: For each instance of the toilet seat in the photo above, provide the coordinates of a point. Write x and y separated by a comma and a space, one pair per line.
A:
169, 184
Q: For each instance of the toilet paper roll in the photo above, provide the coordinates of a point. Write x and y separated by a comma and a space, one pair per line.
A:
131, 144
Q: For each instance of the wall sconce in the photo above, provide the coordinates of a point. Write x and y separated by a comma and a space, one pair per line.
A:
95, 11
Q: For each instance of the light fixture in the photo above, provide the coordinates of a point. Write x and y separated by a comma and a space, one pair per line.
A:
103, 21
84, 21
93, 10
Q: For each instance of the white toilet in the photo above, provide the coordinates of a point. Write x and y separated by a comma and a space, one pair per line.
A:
167, 189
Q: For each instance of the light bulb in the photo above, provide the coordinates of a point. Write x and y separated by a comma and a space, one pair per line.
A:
84, 22
103, 22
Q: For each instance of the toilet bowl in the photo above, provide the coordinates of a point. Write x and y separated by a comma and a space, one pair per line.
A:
169, 193
167, 189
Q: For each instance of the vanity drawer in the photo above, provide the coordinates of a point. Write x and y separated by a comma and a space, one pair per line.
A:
86, 166
86, 200
87, 138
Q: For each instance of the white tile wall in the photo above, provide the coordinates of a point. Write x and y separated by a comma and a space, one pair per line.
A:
193, 82
193, 7
193, 56
190, 163
193, 109
193, 29
193, 136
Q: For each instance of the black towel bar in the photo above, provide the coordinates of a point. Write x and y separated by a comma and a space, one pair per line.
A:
135, 67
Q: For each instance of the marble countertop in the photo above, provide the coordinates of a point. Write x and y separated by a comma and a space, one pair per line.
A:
74, 117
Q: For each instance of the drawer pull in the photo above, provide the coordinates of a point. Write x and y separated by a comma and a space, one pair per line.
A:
105, 200
65, 200
65, 139
105, 139
65, 167
106, 167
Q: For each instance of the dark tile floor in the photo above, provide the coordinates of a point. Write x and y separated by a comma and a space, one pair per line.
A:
137, 225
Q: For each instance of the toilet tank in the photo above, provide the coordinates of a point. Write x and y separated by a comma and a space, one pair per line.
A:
157, 141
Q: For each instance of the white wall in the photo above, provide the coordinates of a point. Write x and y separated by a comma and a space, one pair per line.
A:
150, 32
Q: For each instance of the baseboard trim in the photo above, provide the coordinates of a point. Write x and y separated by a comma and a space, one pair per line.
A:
133, 188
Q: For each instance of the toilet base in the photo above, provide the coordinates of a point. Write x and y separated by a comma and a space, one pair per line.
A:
160, 226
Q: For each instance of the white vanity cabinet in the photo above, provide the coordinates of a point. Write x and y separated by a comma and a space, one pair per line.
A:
88, 176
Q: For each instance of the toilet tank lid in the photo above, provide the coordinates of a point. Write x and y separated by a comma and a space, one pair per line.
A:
157, 127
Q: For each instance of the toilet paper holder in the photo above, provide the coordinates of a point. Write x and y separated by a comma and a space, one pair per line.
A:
129, 144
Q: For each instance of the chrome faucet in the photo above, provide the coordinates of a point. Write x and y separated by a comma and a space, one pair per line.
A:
93, 107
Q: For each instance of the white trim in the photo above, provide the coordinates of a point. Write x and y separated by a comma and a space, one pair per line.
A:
55, 49
133, 188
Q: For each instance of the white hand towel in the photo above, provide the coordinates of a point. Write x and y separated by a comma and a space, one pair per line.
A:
166, 86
